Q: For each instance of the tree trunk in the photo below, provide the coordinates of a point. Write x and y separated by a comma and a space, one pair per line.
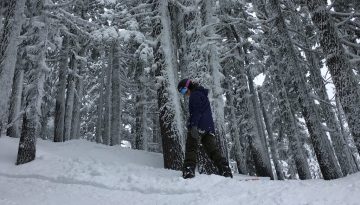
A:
69, 107
76, 120
217, 76
15, 105
341, 72
100, 111
8, 52
246, 106
168, 100
273, 147
34, 95
60, 93
106, 136
258, 122
292, 130
115, 95
326, 157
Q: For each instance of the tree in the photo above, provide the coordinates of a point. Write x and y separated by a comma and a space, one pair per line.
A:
9, 41
33, 98
342, 75
168, 100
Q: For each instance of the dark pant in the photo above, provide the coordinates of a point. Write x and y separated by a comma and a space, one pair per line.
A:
209, 144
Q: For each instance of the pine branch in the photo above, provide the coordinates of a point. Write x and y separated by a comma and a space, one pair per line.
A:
315, 97
348, 43
305, 48
56, 6
335, 13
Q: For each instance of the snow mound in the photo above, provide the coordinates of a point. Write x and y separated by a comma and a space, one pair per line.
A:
80, 172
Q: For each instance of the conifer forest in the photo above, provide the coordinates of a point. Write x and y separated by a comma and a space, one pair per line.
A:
283, 79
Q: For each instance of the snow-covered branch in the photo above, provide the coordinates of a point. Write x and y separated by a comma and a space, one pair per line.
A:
56, 6
341, 14
348, 43
79, 21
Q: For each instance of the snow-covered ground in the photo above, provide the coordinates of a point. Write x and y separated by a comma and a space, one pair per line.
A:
83, 173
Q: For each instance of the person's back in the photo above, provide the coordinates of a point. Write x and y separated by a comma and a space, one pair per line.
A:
200, 110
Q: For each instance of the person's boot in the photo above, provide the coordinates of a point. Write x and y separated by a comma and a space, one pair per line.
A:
225, 170
188, 172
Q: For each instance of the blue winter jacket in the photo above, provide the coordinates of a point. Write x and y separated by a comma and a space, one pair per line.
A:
200, 110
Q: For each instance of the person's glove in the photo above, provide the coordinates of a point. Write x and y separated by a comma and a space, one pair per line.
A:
195, 134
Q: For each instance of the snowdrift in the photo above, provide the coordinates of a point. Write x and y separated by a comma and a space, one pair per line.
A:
80, 172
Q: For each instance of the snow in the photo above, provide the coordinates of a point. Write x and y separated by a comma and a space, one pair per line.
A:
80, 172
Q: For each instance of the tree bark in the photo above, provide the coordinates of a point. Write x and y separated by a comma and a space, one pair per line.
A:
8, 52
30, 129
69, 106
115, 95
106, 136
60, 93
171, 130
273, 147
342, 75
15, 105
326, 157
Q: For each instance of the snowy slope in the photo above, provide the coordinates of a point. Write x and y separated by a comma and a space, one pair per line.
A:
79, 172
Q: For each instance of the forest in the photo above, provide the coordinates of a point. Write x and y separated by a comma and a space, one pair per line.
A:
283, 77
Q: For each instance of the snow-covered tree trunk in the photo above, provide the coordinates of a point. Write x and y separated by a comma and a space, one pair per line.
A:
325, 156
327, 113
69, 106
286, 113
346, 132
35, 92
246, 108
238, 151
76, 120
272, 142
217, 76
341, 72
258, 122
100, 110
8, 52
15, 104
139, 139
341, 148
292, 130
60, 92
172, 130
115, 95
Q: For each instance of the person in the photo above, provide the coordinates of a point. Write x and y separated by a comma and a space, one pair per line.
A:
200, 130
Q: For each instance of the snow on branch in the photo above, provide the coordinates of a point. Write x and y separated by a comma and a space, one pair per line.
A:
341, 14
315, 97
348, 43
305, 48
56, 6
77, 20
344, 21
186, 9
140, 6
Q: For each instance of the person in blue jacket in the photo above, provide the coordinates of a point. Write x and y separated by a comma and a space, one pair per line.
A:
201, 130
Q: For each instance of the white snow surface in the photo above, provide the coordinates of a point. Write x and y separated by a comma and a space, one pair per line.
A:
79, 172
